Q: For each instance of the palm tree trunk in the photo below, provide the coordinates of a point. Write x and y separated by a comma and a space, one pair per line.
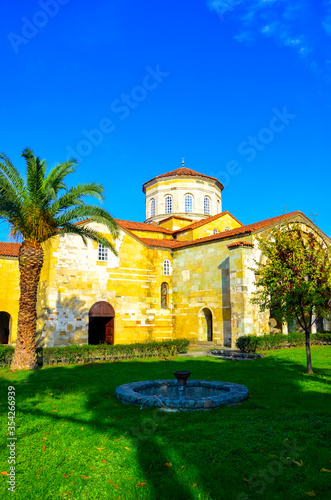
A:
30, 259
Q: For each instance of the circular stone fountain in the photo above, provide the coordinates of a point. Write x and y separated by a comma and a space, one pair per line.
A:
172, 395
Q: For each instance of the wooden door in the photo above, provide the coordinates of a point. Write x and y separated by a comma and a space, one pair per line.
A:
109, 334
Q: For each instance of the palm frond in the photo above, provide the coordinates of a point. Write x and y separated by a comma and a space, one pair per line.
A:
86, 233
76, 195
11, 180
92, 212
54, 182
36, 211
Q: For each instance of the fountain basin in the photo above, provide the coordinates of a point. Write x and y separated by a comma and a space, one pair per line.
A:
164, 394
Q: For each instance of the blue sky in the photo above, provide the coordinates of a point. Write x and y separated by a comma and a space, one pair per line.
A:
241, 89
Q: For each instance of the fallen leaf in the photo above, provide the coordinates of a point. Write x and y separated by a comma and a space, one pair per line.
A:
101, 448
4, 473
45, 438
44, 447
194, 485
82, 428
182, 467
103, 461
325, 470
64, 475
126, 448
299, 464
311, 493
168, 464
245, 479
142, 484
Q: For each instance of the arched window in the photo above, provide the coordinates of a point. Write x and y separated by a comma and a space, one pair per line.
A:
164, 295
218, 206
215, 231
168, 204
166, 268
227, 229
188, 203
206, 205
152, 207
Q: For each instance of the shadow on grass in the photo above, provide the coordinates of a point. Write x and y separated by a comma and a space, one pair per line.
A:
214, 444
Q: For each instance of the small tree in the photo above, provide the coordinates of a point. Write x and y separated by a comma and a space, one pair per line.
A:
37, 208
295, 280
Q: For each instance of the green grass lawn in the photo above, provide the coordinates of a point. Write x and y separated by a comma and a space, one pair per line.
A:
76, 441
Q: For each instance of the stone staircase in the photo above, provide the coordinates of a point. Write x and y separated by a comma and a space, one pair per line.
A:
205, 344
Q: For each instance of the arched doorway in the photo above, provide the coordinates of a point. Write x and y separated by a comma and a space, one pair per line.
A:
206, 325
4, 327
101, 323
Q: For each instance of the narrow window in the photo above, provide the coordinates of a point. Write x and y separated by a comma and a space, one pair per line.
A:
215, 231
102, 252
152, 207
166, 267
218, 206
188, 203
206, 205
168, 204
164, 295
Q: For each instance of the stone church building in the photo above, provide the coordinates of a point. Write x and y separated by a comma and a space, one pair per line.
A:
184, 272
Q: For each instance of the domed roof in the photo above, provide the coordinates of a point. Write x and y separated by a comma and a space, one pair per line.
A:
183, 172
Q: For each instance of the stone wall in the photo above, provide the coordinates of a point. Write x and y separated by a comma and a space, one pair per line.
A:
10, 292
73, 280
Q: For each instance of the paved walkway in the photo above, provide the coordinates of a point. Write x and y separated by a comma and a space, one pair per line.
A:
196, 351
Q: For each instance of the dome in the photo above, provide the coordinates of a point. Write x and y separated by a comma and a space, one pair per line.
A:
184, 193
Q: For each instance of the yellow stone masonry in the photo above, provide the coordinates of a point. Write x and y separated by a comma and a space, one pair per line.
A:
206, 286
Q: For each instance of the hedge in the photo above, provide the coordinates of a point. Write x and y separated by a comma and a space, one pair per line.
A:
103, 352
252, 343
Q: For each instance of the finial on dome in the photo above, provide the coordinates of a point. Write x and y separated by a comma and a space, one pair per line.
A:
182, 161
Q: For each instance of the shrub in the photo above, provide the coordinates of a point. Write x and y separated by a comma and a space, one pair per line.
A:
6, 354
102, 352
252, 343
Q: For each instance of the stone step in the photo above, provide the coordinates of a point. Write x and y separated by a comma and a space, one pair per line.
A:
234, 355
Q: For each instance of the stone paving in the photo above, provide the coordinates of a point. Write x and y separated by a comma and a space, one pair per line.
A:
224, 353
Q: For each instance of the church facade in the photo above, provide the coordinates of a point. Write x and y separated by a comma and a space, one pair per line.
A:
185, 272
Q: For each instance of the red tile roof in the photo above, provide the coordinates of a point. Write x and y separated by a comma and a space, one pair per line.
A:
239, 244
141, 226
250, 228
183, 171
202, 222
174, 217
154, 242
9, 249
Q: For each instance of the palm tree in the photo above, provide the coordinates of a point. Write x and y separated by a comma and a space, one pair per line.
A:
39, 207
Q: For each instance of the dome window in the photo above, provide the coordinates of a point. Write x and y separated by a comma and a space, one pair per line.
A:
152, 207
188, 203
206, 205
168, 204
